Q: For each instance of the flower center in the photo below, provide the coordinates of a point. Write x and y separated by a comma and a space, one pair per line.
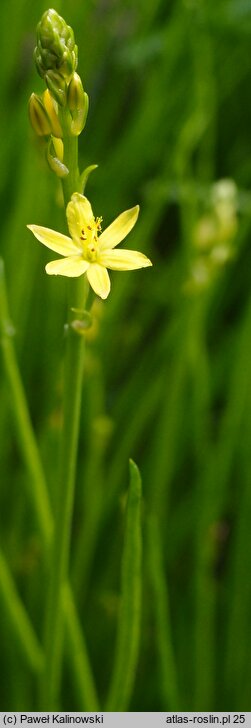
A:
89, 236
91, 253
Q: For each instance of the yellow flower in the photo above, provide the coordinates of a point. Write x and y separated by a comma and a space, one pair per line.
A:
89, 250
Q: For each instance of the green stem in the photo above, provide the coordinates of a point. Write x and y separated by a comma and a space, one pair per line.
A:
63, 519
72, 182
74, 357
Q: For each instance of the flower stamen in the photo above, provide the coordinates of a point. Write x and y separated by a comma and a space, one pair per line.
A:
99, 220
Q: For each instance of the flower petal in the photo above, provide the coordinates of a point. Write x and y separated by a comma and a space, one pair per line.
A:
79, 214
124, 259
55, 241
118, 229
99, 279
71, 267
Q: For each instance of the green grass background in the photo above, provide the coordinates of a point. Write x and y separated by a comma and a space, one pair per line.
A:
167, 378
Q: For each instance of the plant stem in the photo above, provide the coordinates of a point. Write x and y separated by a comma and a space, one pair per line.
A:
72, 182
74, 356
63, 520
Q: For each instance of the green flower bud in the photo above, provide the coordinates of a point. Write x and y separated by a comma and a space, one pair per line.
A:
78, 103
39, 118
56, 54
57, 86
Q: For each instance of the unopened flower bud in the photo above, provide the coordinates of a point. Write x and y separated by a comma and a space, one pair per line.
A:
75, 93
39, 118
55, 155
57, 86
78, 103
56, 49
51, 107
59, 148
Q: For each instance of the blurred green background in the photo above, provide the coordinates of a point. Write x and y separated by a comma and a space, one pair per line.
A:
167, 379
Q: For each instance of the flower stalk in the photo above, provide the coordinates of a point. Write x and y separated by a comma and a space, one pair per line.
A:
73, 375
59, 116
74, 356
72, 182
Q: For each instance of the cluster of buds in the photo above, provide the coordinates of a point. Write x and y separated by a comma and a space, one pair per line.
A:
56, 57
56, 54
43, 114
214, 234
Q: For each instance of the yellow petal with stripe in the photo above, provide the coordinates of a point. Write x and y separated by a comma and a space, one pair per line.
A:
124, 259
99, 280
72, 267
79, 214
55, 241
119, 228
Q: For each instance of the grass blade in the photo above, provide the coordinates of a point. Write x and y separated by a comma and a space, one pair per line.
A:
126, 656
